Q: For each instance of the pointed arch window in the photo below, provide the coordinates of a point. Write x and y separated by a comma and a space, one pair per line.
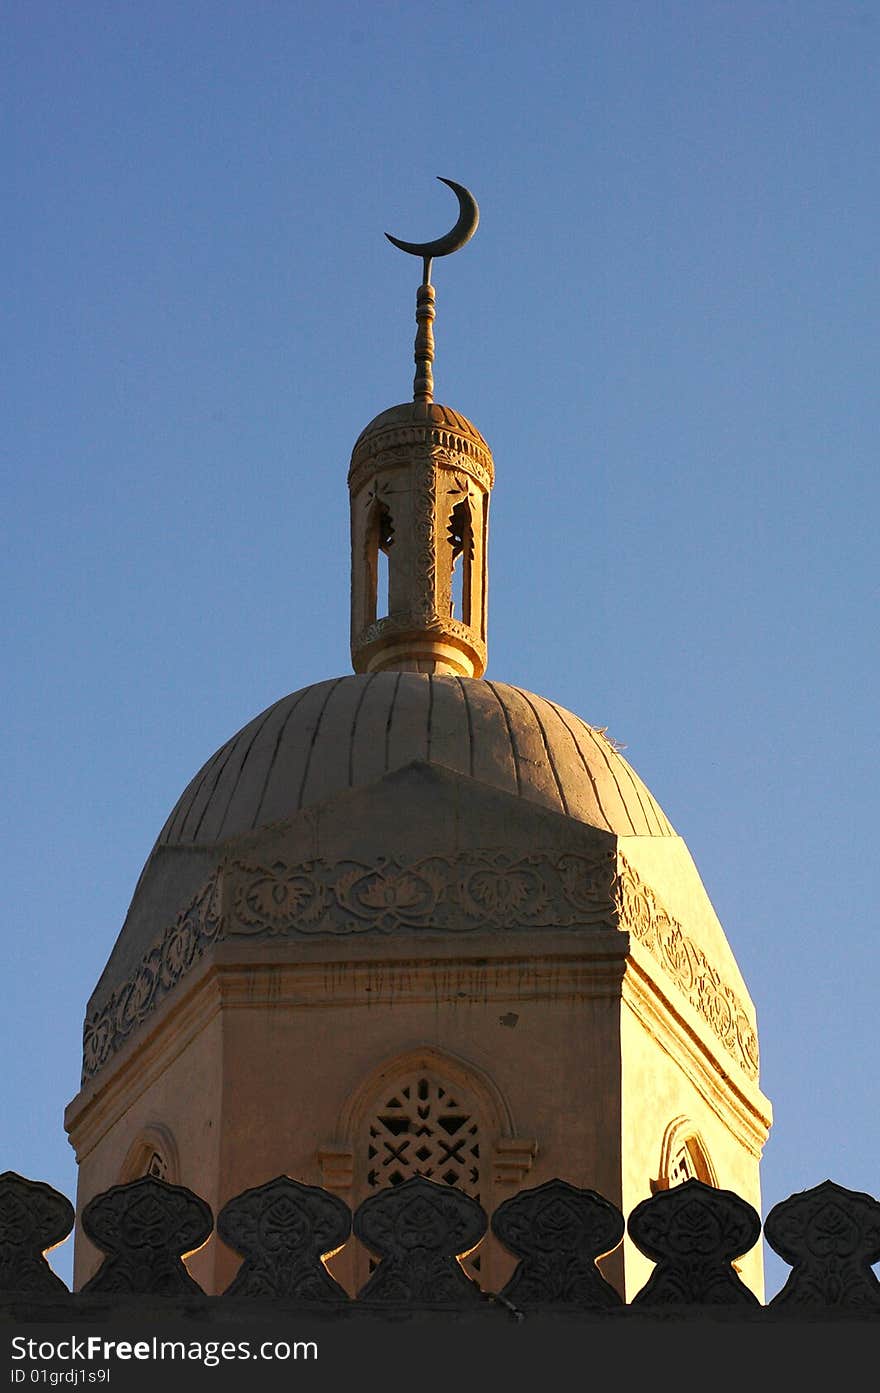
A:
377, 579
157, 1165
461, 540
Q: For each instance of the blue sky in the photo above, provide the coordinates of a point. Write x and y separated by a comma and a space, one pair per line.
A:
666, 327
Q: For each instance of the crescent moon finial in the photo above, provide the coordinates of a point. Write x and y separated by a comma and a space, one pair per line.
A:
463, 231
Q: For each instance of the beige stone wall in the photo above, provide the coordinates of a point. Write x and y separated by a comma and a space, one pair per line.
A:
670, 1091
541, 1078
174, 1087
282, 1074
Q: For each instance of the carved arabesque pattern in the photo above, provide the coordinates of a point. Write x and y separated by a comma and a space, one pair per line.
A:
474, 890
423, 1230
558, 1231
283, 1229
145, 1227
419, 1230
443, 449
693, 1233
170, 958
33, 1219
424, 1127
424, 530
688, 966
831, 1237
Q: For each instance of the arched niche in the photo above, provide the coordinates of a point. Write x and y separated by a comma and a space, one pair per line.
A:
683, 1156
153, 1152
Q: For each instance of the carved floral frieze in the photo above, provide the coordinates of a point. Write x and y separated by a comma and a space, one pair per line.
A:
688, 966
178, 949
444, 449
474, 890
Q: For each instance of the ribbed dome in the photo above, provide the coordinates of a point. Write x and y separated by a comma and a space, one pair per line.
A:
421, 414
350, 731
420, 423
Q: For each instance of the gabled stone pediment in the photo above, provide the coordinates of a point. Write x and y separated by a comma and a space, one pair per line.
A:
417, 810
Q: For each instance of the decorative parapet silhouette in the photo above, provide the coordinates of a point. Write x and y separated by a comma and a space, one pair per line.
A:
694, 1233
559, 1232
34, 1219
283, 1229
146, 1228
420, 1230
831, 1238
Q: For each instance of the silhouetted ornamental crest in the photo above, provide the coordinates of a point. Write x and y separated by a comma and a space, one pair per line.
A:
145, 1228
694, 1233
419, 1230
831, 1238
34, 1218
283, 1229
423, 1231
558, 1231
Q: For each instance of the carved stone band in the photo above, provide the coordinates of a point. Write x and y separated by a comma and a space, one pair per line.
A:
473, 891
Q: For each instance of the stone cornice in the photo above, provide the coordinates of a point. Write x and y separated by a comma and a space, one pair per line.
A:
488, 892
742, 1108
139, 1061
473, 891
277, 975
685, 964
428, 621
399, 445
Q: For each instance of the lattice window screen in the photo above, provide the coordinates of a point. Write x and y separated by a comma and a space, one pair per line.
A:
424, 1128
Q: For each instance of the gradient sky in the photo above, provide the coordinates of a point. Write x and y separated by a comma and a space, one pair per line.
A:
666, 328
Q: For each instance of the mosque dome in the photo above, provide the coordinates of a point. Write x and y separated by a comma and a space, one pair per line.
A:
414, 422
417, 705
350, 731
411, 902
